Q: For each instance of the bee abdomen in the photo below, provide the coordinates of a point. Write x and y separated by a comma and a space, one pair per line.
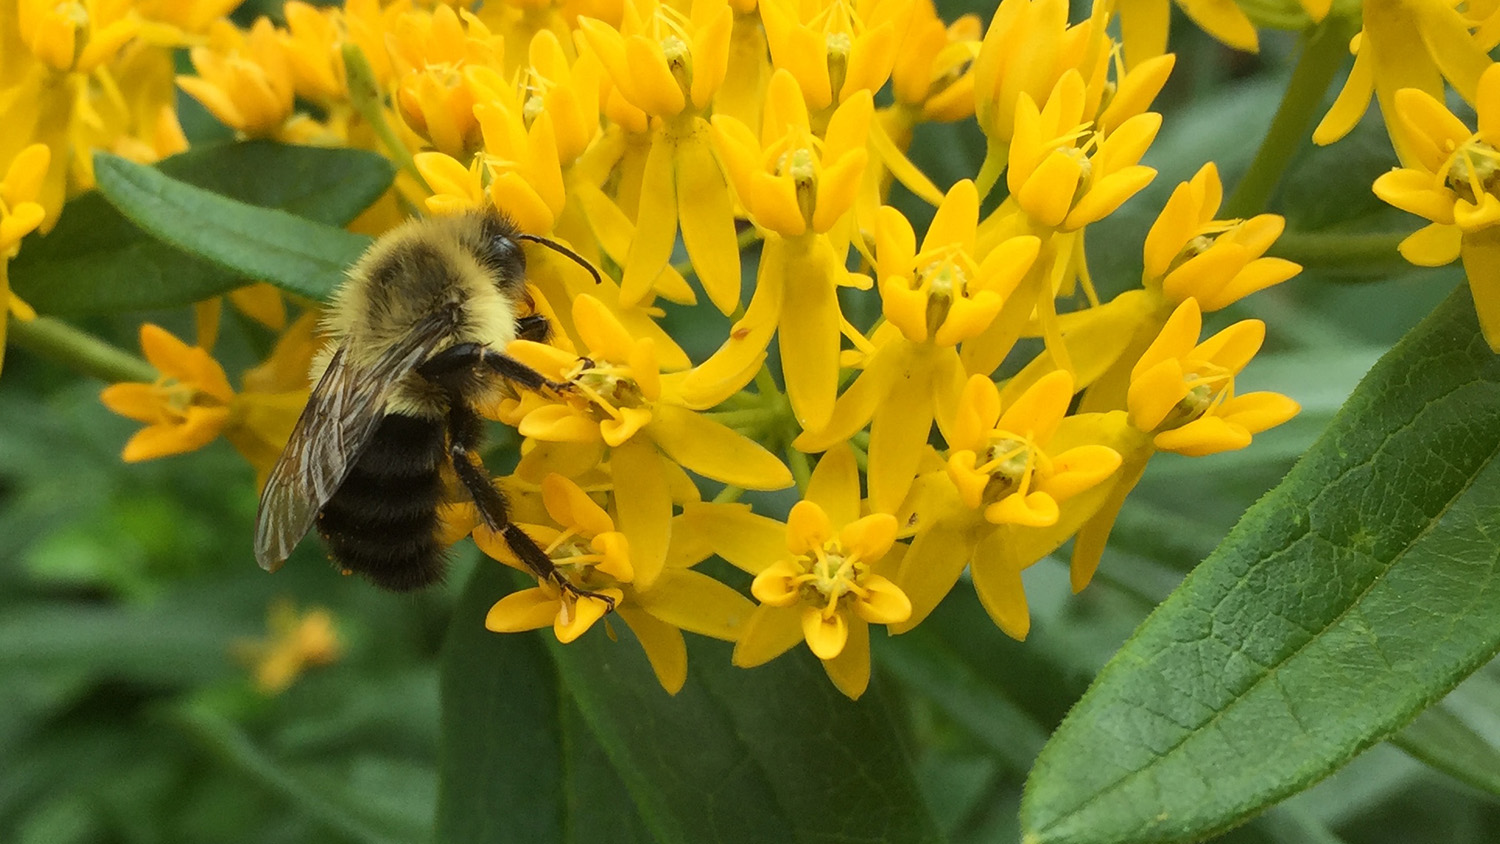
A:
382, 522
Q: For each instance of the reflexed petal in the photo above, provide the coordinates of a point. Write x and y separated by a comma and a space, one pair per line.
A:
707, 219
898, 432
698, 603
747, 541
883, 602
855, 406
656, 222
1352, 102
771, 632
825, 635
997, 580
1481, 253
777, 585
809, 338
663, 644
1225, 21
850, 670
834, 486
715, 451
529, 609
643, 505
930, 568
807, 528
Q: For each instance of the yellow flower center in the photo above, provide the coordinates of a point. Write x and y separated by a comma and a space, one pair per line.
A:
1208, 385
838, 45
574, 556
177, 397
1473, 169
946, 278
607, 388
1011, 462
830, 573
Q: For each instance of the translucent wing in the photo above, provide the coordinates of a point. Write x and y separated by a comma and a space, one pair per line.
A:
341, 415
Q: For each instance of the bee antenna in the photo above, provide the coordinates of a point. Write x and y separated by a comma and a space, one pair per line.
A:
558, 247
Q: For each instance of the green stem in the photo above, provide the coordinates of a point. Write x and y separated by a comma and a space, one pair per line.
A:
996, 157
1362, 253
78, 350
1324, 48
369, 102
729, 495
801, 469
765, 382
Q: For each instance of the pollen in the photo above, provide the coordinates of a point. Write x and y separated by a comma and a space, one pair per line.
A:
1473, 169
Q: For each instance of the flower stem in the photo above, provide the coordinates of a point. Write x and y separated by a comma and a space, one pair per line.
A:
801, 469
729, 495
996, 157
365, 95
1361, 254
1324, 48
81, 351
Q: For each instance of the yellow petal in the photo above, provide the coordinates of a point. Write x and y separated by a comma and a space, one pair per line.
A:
1432, 246
656, 222
997, 581
807, 528
1037, 509
643, 503
809, 338
697, 603
850, 670
778, 586
771, 632
930, 568
1203, 436
573, 619
898, 431
663, 644
1481, 254
529, 609
869, 538
572, 508
201, 426
715, 451
707, 217
883, 602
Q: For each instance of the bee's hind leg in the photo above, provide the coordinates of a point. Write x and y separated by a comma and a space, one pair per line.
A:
464, 433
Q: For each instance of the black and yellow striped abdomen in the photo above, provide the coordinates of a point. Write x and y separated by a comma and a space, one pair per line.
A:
382, 522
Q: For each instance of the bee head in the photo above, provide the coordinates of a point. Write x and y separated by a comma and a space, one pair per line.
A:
499, 250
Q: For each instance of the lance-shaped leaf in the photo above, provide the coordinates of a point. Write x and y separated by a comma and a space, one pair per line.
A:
1346, 601
291, 252
97, 261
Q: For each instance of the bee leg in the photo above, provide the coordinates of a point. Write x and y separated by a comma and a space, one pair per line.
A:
464, 428
464, 356
534, 327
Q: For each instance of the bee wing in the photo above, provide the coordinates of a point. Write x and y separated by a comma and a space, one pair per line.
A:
341, 415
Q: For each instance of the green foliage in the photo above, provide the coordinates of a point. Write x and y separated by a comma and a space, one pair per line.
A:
1343, 604
98, 261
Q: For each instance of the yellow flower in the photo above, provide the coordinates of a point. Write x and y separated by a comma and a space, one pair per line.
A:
297, 640
822, 577
1016, 485
936, 298
1405, 44
1026, 49
1451, 180
312, 44
76, 35
931, 75
1182, 391
429, 53
1063, 173
618, 397
177, 22
835, 48
20, 213
244, 79
1190, 254
595, 557
668, 66
185, 409
791, 181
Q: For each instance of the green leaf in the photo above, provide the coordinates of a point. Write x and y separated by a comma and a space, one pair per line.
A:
97, 261
499, 764
298, 255
1347, 600
1457, 736
773, 754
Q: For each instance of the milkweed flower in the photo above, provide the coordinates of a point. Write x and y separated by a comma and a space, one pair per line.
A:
1011, 492
669, 66
935, 297
822, 577
244, 79
595, 557
297, 640
798, 187
1182, 399
1450, 179
429, 53
79, 35
835, 48
617, 397
1405, 44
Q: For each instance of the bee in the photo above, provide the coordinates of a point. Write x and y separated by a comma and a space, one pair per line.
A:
417, 333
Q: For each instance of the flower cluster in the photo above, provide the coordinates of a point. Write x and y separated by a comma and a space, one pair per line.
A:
624, 129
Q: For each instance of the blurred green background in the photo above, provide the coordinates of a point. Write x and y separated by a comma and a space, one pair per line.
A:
125, 715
